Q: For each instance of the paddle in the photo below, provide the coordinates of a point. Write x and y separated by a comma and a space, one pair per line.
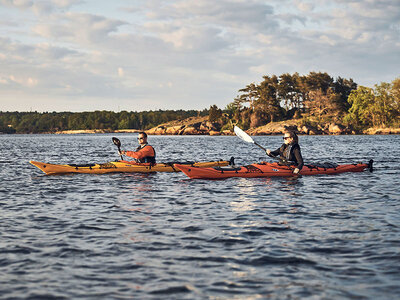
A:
117, 143
245, 137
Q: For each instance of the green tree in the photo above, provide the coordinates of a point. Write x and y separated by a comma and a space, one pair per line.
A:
247, 96
268, 102
361, 113
322, 106
288, 91
396, 101
343, 88
214, 114
386, 103
318, 81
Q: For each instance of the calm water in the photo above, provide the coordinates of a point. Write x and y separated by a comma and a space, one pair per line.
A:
164, 236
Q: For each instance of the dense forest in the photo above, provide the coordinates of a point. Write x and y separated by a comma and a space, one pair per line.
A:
34, 122
316, 98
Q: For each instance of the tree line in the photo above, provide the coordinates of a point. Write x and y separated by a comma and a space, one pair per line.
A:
314, 99
35, 122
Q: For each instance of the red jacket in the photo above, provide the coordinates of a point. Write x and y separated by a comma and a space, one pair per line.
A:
145, 154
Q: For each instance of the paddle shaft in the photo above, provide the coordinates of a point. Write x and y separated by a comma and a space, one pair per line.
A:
260, 146
119, 151
265, 150
245, 137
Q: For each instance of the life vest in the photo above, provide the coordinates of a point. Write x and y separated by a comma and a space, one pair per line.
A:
286, 152
147, 159
287, 156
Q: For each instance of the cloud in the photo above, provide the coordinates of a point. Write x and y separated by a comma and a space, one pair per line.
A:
40, 7
177, 54
22, 4
303, 6
18, 81
77, 28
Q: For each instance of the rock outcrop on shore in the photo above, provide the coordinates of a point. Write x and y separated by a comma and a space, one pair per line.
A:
190, 126
201, 126
297, 126
380, 130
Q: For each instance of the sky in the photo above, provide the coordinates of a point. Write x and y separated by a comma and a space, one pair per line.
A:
136, 55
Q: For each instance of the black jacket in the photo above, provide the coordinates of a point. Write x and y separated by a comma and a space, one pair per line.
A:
290, 154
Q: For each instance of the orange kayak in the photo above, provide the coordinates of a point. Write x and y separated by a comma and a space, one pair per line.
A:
265, 169
119, 166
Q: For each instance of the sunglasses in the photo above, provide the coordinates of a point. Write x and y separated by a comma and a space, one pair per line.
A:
286, 137
140, 138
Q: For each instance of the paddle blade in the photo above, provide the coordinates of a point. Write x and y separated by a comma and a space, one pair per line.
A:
243, 135
116, 142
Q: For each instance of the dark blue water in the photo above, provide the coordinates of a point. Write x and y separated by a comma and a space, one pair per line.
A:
164, 236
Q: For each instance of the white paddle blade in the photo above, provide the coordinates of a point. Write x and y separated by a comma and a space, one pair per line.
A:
243, 135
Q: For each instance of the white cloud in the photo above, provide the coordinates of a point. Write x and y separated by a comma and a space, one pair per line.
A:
23, 4
304, 6
23, 81
77, 28
43, 7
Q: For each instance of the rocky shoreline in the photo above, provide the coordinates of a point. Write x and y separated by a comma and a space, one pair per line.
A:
201, 126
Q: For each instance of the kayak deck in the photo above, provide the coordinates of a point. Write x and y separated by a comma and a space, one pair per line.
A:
120, 166
265, 169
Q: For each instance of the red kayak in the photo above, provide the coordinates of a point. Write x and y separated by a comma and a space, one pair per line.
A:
265, 169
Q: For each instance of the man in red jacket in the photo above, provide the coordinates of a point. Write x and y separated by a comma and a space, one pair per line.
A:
144, 153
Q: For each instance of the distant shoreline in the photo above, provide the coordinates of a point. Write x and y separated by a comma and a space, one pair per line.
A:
369, 131
86, 131
201, 126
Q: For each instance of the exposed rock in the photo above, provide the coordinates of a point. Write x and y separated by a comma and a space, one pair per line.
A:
127, 130
197, 125
210, 126
227, 132
204, 127
336, 129
310, 130
275, 128
160, 130
174, 129
213, 132
315, 131
385, 130
84, 131
190, 130
304, 129
201, 125
190, 126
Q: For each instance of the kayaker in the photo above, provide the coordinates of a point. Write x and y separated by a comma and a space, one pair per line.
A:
289, 153
144, 153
